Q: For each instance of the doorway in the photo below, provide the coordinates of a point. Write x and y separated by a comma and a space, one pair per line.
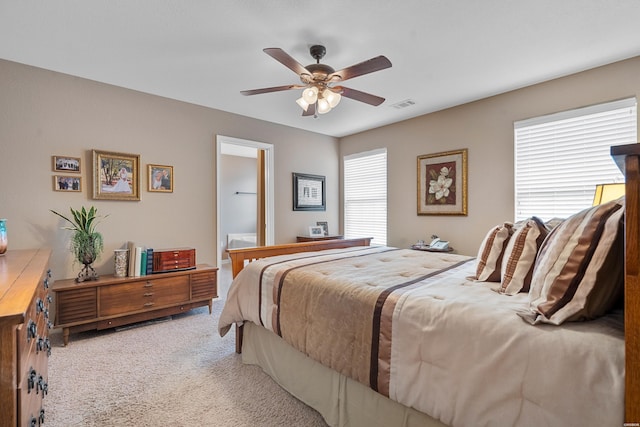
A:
264, 189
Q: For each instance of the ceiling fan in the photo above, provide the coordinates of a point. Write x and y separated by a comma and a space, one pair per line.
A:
320, 92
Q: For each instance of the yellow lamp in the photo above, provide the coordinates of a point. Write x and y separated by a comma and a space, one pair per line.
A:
607, 192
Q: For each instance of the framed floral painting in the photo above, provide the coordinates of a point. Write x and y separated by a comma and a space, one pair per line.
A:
442, 183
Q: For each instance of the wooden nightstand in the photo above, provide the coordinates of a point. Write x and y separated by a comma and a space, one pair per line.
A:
313, 239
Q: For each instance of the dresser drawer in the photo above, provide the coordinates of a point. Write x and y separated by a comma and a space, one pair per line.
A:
147, 294
76, 305
204, 285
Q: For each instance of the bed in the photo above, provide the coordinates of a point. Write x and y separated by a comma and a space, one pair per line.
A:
419, 359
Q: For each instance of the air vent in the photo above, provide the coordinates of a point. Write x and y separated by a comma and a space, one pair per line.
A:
404, 104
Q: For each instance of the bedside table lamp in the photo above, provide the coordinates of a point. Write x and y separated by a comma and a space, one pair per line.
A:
607, 192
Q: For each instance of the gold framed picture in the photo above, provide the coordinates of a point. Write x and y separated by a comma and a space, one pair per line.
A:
116, 176
65, 164
67, 183
442, 183
160, 178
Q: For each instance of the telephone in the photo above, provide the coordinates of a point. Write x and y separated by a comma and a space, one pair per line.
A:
439, 245
436, 245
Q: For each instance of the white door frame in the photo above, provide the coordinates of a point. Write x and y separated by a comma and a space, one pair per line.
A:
268, 185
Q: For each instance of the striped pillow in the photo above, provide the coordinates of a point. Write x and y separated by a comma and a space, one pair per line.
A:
579, 272
490, 253
519, 256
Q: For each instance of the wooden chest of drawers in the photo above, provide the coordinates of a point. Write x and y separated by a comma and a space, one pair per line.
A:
174, 259
114, 301
24, 336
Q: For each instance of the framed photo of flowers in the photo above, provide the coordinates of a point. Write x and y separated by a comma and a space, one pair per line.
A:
442, 183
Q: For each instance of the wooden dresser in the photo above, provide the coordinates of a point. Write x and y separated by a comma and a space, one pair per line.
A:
24, 336
115, 301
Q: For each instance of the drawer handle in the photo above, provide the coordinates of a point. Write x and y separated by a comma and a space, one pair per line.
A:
148, 294
32, 330
148, 285
39, 305
31, 381
147, 304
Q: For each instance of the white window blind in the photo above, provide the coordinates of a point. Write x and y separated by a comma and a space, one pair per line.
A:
365, 196
561, 157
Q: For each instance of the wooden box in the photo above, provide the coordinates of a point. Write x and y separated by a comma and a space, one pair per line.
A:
173, 259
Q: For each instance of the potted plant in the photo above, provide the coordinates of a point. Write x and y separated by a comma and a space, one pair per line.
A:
86, 243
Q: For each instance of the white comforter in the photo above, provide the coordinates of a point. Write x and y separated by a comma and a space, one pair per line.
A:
459, 352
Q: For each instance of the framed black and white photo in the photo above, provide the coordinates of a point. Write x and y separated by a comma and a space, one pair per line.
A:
309, 192
324, 225
66, 164
316, 231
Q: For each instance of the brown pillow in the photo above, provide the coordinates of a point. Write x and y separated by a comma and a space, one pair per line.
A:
579, 271
490, 253
520, 255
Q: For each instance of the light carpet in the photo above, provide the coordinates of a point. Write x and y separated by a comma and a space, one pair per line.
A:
172, 373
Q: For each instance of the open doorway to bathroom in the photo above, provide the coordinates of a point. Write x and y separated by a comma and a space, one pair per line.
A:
244, 194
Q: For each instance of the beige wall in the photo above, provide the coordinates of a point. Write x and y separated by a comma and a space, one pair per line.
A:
43, 113
484, 127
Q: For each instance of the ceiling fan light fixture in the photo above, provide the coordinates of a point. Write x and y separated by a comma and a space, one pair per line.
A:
323, 106
310, 94
332, 97
302, 103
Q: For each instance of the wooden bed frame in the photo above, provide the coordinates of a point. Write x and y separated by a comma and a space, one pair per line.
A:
627, 158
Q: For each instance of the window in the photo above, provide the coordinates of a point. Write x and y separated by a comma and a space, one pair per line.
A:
561, 157
365, 196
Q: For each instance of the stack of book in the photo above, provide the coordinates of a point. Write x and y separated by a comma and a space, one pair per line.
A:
140, 260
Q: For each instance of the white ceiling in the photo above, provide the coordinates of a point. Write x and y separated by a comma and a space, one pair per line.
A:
444, 52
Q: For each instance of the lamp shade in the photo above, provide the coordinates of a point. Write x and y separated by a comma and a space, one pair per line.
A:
607, 192
323, 106
302, 103
310, 95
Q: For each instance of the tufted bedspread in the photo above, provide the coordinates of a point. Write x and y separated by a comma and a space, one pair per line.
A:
411, 326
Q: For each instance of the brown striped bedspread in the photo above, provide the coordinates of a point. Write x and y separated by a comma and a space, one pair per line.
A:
411, 326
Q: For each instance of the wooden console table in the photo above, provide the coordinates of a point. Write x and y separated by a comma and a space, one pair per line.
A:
115, 301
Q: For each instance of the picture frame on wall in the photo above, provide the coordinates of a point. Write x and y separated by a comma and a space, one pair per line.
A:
309, 192
160, 178
65, 164
442, 183
67, 183
116, 176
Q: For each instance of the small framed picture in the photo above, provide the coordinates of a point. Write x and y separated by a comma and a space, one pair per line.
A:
325, 227
160, 178
116, 176
67, 183
66, 164
316, 231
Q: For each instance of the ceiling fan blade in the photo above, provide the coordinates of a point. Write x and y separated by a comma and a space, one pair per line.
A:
367, 98
311, 111
369, 66
270, 89
287, 60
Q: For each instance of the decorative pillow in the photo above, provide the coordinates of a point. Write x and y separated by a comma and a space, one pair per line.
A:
490, 253
520, 255
579, 272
